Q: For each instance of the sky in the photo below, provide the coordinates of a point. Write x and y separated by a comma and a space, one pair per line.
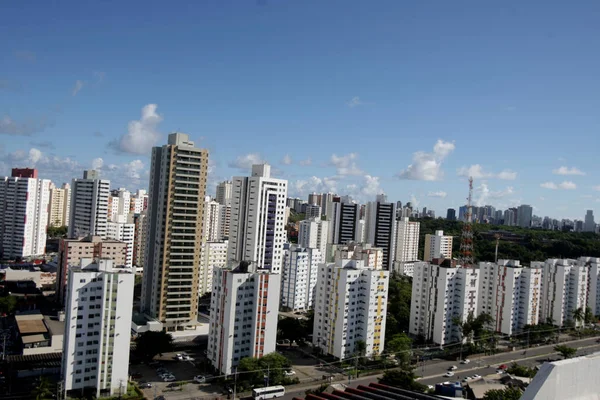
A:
355, 97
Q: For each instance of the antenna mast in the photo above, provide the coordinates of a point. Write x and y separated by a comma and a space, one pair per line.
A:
466, 240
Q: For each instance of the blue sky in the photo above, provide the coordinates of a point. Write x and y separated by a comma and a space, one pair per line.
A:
407, 98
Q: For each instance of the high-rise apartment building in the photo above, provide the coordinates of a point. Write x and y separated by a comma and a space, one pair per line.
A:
257, 231
380, 223
140, 238
589, 224
407, 240
312, 211
511, 294
593, 296
119, 204
314, 198
224, 193
441, 293
89, 206
437, 246
313, 234
524, 215
350, 307
326, 203
243, 315
98, 329
123, 232
72, 251
23, 214
299, 277
225, 221
60, 205
175, 217
212, 221
344, 222
564, 289
213, 255
138, 202
451, 214
510, 217
366, 255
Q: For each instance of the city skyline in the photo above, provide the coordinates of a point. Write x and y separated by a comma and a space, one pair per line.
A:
323, 107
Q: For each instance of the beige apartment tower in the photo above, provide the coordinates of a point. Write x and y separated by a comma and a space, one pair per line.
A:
175, 225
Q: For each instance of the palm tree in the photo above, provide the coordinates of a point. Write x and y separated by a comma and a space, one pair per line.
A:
42, 390
578, 316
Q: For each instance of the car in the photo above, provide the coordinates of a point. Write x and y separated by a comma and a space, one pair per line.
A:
503, 366
188, 358
173, 384
449, 373
145, 385
475, 376
169, 378
178, 356
452, 368
499, 371
465, 380
465, 361
430, 387
199, 379
290, 373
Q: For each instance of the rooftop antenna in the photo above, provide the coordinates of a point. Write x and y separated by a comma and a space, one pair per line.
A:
466, 240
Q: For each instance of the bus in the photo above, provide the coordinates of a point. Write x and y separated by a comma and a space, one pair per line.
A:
269, 392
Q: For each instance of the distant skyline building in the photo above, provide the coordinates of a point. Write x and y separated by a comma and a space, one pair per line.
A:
211, 230
524, 216
213, 255
344, 218
24, 201
224, 193
437, 246
257, 231
178, 172
60, 205
313, 234
381, 226
407, 240
589, 224
89, 206
123, 232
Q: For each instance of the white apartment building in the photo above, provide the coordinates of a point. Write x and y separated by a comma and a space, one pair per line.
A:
178, 174
243, 316
313, 234
123, 232
371, 257
60, 205
257, 231
440, 293
119, 203
23, 215
350, 306
299, 277
511, 294
593, 296
89, 206
98, 329
564, 289
312, 211
224, 193
213, 255
380, 229
225, 221
405, 268
407, 240
138, 202
212, 222
437, 246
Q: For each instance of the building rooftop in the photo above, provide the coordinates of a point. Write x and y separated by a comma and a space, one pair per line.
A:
372, 391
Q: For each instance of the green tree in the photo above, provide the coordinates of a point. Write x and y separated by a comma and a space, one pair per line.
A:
589, 316
565, 351
42, 391
151, 343
293, 329
503, 394
522, 371
400, 345
56, 231
402, 378
252, 371
578, 316
8, 304
399, 300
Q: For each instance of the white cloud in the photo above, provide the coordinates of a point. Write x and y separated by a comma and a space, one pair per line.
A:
485, 194
354, 102
567, 171
141, 134
246, 161
9, 126
306, 162
345, 165
134, 169
477, 172
371, 187
597, 188
287, 160
97, 163
427, 166
440, 194
78, 86
302, 187
566, 185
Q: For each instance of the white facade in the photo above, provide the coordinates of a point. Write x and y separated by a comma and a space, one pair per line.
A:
312, 211
564, 289
350, 306
89, 206
313, 234
213, 255
257, 231
243, 316
138, 202
119, 204
437, 246
60, 205
98, 328
123, 232
211, 221
225, 221
511, 294
224, 193
439, 294
369, 256
593, 264
405, 268
23, 216
407, 240
299, 277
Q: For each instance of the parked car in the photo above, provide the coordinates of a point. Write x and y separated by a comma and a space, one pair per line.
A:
465, 361
188, 358
199, 379
173, 385
145, 385
475, 376
169, 378
290, 373
499, 371
449, 373
452, 368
